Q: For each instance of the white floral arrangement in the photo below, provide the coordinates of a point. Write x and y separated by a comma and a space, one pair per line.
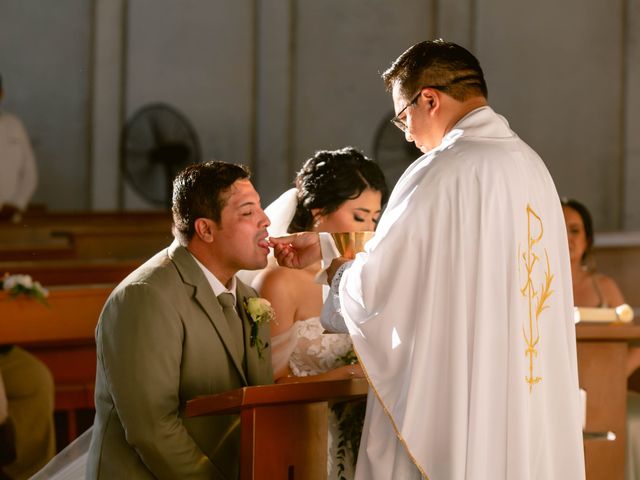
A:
260, 311
17, 285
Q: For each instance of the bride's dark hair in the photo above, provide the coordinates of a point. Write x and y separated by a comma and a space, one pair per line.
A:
330, 178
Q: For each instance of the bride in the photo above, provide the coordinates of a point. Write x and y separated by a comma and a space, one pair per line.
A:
336, 191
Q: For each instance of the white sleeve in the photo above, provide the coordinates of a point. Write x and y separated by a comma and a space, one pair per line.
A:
28, 177
331, 316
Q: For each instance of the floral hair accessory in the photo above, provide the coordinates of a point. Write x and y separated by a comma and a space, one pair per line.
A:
24, 285
260, 311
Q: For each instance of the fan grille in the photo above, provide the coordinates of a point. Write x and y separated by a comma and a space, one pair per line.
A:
157, 143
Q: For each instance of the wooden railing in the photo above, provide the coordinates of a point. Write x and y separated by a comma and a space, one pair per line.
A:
283, 428
74, 271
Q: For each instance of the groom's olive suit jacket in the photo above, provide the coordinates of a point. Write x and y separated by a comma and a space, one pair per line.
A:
162, 339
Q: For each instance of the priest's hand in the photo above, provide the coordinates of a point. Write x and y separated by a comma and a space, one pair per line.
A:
298, 250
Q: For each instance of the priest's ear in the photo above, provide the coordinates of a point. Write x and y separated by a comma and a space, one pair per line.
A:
204, 229
431, 98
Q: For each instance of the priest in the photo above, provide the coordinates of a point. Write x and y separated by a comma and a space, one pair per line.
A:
460, 308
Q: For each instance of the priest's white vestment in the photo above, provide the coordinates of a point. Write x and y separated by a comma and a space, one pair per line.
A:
460, 311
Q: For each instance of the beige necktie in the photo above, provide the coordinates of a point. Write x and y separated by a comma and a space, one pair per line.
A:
234, 321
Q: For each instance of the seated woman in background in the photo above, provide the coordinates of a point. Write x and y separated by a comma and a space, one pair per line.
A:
590, 289
336, 191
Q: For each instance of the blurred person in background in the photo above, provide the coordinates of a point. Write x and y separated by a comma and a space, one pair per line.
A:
590, 288
19, 177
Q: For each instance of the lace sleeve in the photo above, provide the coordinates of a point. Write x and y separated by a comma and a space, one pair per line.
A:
331, 316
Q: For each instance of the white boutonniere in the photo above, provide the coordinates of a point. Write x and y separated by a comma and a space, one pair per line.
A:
24, 285
260, 311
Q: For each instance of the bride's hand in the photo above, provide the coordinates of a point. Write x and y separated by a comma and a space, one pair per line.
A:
298, 250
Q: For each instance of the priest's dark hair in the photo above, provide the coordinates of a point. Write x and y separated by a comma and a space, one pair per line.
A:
440, 65
330, 178
199, 192
586, 221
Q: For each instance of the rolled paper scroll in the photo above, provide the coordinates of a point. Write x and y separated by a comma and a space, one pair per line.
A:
621, 314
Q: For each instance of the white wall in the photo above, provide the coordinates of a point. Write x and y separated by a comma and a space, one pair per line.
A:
198, 57
555, 71
268, 82
45, 55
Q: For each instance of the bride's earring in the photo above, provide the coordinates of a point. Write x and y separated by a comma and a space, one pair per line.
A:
317, 220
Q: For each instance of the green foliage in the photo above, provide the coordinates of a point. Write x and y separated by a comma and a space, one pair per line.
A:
16, 285
350, 417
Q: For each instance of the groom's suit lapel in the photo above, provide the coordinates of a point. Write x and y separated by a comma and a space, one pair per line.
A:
242, 293
204, 296
259, 370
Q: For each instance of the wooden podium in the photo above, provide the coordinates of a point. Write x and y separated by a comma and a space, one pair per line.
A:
283, 428
602, 354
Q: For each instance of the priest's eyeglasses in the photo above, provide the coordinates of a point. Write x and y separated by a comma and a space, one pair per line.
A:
399, 122
472, 79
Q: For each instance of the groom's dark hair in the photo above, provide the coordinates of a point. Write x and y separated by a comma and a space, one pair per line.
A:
198, 192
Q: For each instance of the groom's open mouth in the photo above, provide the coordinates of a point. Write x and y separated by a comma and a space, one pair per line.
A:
263, 241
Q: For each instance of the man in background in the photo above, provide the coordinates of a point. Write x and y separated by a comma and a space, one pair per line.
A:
18, 171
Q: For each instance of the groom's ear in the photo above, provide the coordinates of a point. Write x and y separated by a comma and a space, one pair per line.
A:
204, 228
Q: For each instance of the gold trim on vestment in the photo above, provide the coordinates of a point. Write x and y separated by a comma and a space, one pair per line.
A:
388, 414
537, 299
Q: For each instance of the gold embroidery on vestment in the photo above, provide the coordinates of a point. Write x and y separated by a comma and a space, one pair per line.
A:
537, 299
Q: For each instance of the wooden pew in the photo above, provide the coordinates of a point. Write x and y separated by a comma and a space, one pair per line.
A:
86, 236
73, 272
50, 249
62, 336
121, 241
69, 218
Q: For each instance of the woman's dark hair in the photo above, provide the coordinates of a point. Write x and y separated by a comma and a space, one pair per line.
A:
586, 221
330, 178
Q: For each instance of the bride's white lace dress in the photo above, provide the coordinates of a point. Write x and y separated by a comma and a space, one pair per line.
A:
309, 351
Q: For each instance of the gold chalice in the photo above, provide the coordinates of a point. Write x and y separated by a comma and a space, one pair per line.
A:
350, 243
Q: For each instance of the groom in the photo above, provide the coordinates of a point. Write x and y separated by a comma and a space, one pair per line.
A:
163, 337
